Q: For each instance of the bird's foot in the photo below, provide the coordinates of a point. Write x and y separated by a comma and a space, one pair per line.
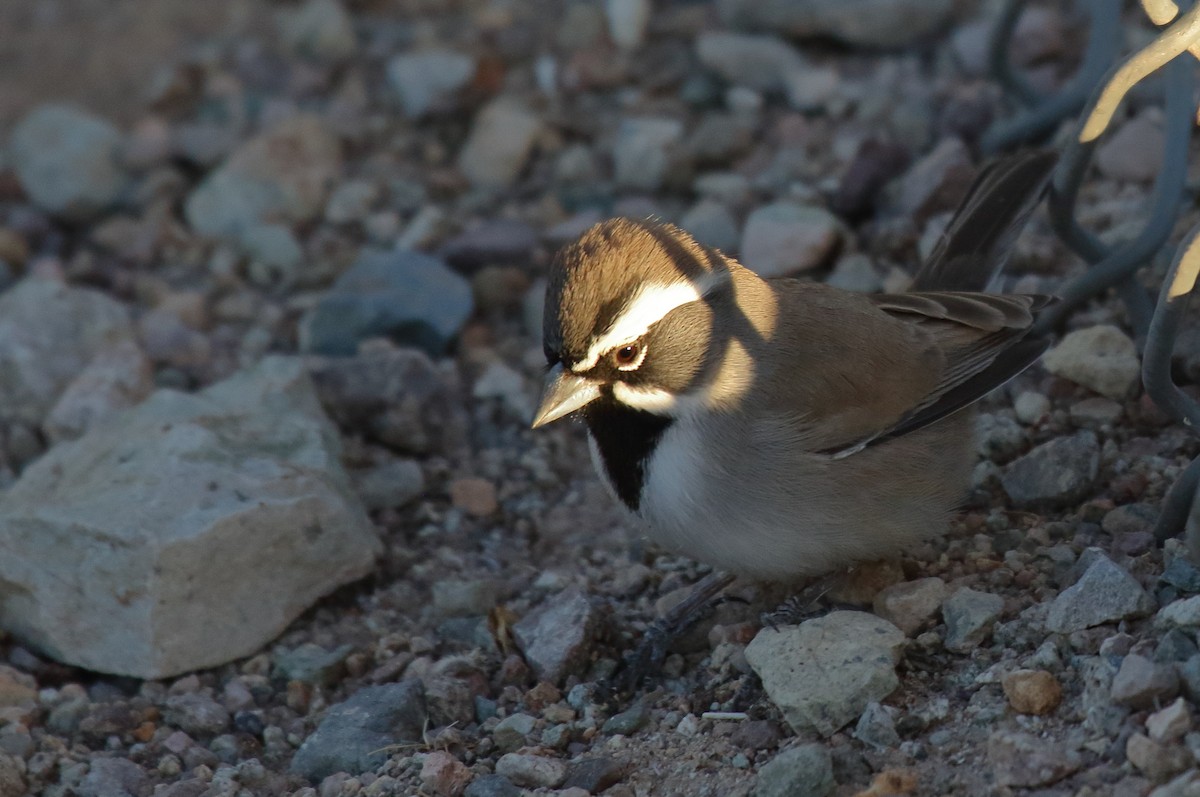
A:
807, 604
650, 652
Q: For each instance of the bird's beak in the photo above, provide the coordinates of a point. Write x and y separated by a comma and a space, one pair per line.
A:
564, 393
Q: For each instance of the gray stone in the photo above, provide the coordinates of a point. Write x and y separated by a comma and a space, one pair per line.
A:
492, 786
196, 714
557, 638
1179, 614
813, 88
512, 732
594, 774
496, 242
1101, 358
1031, 407
910, 604
49, 333
311, 664
783, 238
532, 771
351, 201
1095, 413
114, 777
969, 616
274, 253
1134, 152
501, 140
210, 521
318, 29
465, 597
1186, 785
424, 79
1056, 473
627, 20
758, 62
642, 151
1180, 573
997, 437
356, 735
824, 672
711, 223
802, 771
1132, 519
877, 727
937, 182
12, 776
116, 378
390, 485
1142, 683
1024, 760
863, 23
719, 138
407, 296
627, 722
282, 176
397, 396
67, 161
1105, 593
855, 272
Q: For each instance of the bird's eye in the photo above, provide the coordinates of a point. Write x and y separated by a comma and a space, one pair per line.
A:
628, 356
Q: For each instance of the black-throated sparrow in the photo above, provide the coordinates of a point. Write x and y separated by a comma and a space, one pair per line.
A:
775, 428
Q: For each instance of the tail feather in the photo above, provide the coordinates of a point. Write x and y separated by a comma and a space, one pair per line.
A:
979, 239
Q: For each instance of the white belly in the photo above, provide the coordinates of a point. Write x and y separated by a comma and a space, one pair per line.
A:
749, 501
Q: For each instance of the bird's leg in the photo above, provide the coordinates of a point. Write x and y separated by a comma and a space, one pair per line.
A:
650, 652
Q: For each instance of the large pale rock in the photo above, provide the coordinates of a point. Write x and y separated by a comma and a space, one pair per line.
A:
282, 175
1101, 358
824, 672
49, 333
66, 161
501, 140
185, 532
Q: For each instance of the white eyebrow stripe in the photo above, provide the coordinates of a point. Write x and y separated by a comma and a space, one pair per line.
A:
649, 306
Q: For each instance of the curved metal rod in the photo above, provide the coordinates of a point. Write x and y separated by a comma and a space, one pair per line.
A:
1177, 503
1164, 329
1110, 266
1104, 42
1010, 78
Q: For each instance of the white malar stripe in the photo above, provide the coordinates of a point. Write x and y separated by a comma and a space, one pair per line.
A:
649, 306
647, 399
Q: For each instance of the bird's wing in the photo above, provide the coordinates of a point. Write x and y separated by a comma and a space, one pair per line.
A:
891, 364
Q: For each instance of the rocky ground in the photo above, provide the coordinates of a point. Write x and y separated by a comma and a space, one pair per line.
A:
270, 331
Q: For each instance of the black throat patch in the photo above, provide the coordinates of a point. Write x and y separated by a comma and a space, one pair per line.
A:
625, 438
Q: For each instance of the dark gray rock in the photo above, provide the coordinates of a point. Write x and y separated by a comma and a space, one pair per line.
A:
492, 786
512, 731
66, 161
114, 777
594, 775
803, 771
1142, 683
355, 735
498, 242
311, 663
1024, 760
396, 396
628, 721
557, 638
196, 714
410, 297
969, 616
1056, 473
1105, 593
1182, 575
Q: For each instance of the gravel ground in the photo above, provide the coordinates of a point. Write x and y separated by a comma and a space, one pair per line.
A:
374, 190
